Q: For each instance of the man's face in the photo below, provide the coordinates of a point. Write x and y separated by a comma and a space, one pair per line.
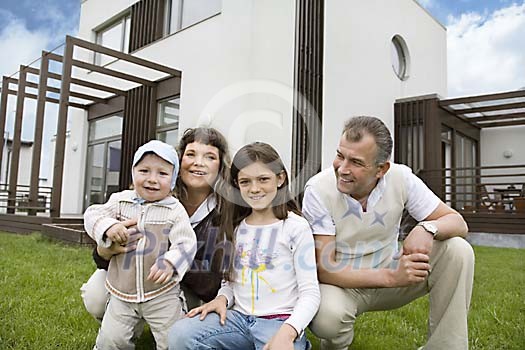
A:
355, 166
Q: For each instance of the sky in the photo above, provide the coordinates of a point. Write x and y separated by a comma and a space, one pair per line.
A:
485, 39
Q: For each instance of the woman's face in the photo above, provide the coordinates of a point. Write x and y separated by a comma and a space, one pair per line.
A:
199, 166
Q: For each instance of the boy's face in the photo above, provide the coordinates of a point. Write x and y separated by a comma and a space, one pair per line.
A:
152, 178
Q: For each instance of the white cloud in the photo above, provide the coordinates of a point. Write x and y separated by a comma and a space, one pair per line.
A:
486, 52
19, 45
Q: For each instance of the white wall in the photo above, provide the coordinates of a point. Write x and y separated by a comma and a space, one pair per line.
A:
358, 74
74, 163
237, 76
24, 164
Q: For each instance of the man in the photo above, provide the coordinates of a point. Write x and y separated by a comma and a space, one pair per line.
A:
355, 209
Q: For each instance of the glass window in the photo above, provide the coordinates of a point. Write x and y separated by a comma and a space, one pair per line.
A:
107, 127
169, 112
116, 37
103, 159
184, 13
95, 174
400, 57
168, 121
171, 137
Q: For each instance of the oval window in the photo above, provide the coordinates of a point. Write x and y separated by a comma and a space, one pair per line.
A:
400, 57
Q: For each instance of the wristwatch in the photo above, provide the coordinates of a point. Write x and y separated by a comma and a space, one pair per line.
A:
429, 227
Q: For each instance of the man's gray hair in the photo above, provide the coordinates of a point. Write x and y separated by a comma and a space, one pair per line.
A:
355, 128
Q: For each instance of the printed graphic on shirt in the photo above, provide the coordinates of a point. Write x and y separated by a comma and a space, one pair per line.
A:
255, 259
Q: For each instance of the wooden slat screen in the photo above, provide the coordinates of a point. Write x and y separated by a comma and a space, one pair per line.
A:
140, 115
147, 23
308, 87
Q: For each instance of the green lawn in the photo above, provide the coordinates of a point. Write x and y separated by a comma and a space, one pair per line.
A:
40, 305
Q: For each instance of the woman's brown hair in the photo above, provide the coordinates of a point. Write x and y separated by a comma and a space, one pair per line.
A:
211, 137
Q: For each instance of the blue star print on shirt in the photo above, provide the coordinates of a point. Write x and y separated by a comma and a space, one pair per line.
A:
354, 208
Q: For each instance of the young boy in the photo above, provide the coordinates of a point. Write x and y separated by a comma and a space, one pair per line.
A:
144, 284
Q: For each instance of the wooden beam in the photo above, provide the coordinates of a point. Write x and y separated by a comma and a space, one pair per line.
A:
490, 108
507, 123
453, 112
76, 81
72, 93
482, 98
124, 56
496, 117
98, 87
111, 72
50, 99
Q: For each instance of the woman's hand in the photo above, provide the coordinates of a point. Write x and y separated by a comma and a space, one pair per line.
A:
283, 339
217, 305
161, 271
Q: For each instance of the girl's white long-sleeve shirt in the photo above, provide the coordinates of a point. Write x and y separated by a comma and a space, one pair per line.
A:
275, 271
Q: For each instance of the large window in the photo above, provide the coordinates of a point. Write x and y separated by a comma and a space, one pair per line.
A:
168, 121
103, 159
183, 13
114, 36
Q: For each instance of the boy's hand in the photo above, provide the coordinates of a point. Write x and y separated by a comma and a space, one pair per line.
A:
118, 233
161, 271
217, 305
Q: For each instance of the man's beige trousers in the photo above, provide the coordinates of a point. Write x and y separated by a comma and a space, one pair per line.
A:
450, 287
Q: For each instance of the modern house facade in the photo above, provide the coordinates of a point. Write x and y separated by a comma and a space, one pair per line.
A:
287, 72
239, 62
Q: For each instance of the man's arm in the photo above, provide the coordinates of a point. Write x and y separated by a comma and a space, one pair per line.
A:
411, 269
449, 223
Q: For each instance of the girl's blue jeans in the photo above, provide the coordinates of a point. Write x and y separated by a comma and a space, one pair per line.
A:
239, 332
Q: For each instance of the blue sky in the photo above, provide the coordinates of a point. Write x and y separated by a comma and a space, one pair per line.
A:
485, 39
442, 9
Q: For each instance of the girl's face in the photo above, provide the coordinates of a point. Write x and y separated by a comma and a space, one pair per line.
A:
258, 185
199, 166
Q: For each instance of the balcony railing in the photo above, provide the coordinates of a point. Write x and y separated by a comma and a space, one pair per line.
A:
20, 202
488, 189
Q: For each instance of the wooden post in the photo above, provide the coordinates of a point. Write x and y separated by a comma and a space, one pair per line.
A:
39, 126
60, 142
17, 141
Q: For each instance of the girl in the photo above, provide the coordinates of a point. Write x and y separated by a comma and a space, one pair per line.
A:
272, 291
204, 170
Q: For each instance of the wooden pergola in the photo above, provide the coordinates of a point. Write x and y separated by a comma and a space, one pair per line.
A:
489, 111
421, 143
66, 92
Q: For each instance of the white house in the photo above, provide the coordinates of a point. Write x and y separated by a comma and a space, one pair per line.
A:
241, 63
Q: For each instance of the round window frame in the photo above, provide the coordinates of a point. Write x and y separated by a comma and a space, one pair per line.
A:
402, 55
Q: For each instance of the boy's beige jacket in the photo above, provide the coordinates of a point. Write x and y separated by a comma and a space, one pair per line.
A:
167, 234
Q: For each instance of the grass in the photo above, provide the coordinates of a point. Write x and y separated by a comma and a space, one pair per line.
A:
41, 308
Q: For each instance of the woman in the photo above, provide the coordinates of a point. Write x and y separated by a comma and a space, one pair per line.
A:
203, 176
